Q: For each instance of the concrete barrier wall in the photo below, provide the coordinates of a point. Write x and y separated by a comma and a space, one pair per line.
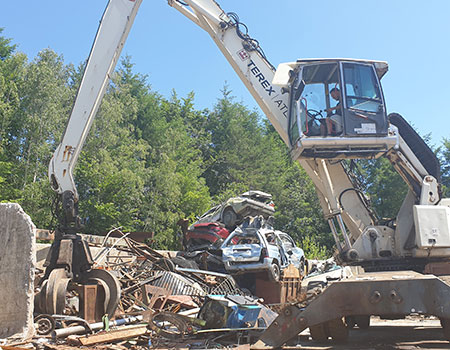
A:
17, 262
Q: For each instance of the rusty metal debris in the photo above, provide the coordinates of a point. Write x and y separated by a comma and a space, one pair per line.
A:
136, 297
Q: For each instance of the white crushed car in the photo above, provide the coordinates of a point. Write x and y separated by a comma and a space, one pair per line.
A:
256, 247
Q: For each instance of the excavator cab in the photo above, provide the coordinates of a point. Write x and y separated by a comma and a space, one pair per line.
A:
337, 109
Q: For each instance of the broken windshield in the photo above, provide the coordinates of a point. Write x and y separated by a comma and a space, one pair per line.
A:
247, 237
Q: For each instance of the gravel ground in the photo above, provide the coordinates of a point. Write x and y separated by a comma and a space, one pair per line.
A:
408, 334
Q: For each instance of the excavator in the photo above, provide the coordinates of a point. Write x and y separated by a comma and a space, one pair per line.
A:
329, 113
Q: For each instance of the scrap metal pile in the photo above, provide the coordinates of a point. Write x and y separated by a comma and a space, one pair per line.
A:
223, 289
165, 300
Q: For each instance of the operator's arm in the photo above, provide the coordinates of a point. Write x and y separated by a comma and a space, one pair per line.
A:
336, 108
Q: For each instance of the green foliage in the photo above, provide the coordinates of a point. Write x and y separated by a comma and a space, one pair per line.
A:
6, 49
444, 155
312, 249
150, 161
298, 211
8, 193
384, 186
11, 68
140, 168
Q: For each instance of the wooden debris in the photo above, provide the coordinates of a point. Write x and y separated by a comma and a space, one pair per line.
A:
111, 336
48, 346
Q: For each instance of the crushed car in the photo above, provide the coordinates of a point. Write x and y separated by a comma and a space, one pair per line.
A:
232, 212
202, 244
255, 246
204, 236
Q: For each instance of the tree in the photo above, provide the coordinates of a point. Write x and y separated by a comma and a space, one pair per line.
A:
175, 188
45, 102
110, 174
11, 68
241, 156
140, 168
247, 153
384, 186
6, 49
444, 152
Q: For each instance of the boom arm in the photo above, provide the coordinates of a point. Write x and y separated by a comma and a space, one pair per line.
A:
69, 258
244, 55
242, 52
109, 41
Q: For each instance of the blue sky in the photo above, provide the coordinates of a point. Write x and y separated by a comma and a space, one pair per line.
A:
412, 36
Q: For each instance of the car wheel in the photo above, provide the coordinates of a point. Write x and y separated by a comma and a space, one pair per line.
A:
229, 217
274, 272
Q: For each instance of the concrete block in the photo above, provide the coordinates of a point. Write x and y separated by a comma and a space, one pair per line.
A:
17, 263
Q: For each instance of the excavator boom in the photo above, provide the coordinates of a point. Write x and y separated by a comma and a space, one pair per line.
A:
245, 56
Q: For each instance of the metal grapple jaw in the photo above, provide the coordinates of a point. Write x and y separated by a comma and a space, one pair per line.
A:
69, 266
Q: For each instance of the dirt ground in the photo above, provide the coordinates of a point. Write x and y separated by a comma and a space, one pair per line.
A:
386, 334
410, 334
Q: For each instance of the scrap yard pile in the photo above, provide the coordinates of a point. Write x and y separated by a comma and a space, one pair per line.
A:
227, 285
165, 300
162, 301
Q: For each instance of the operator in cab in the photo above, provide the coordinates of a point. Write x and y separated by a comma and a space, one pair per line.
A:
334, 114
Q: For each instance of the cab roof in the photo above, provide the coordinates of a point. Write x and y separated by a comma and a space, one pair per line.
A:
380, 66
283, 73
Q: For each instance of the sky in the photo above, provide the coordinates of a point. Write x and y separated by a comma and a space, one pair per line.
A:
413, 36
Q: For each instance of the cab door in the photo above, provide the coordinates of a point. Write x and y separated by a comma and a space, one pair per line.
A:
364, 108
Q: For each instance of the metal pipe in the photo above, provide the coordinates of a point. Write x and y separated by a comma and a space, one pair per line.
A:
335, 234
344, 231
64, 332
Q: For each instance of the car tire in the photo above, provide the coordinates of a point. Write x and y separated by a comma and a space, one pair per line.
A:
229, 218
274, 272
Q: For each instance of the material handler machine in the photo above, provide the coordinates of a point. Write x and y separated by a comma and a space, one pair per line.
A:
328, 112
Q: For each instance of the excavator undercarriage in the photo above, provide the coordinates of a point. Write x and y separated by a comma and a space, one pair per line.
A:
386, 294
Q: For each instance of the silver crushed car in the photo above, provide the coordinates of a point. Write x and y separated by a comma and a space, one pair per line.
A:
256, 247
236, 209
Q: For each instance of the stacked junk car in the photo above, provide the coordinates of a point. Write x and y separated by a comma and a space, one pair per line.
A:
238, 279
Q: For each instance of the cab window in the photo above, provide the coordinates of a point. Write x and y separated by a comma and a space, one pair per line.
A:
315, 96
361, 87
